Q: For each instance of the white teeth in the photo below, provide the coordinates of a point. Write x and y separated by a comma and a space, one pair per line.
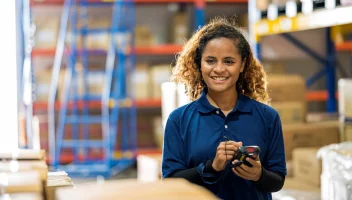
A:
218, 78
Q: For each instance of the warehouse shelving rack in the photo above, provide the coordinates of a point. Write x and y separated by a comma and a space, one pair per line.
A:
330, 19
56, 105
118, 112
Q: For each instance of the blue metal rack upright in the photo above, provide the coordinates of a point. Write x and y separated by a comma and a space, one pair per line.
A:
118, 111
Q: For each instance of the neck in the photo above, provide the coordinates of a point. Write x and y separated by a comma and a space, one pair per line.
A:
226, 101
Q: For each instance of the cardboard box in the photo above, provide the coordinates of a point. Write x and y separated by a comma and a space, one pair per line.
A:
179, 28
286, 88
274, 68
19, 182
291, 112
289, 167
46, 32
131, 189
345, 97
309, 135
23, 166
140, 81
322, 117
306, 166
144, 36
56, 180
149, 167
22, 196
23, 154
345, 132
294, 184
159, 74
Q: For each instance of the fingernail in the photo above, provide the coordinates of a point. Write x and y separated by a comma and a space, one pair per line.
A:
247, 159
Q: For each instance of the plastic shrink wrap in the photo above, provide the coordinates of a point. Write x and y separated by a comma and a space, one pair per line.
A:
296, 195
336, 177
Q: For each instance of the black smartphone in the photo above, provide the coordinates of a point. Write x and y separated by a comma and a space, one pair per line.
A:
243, 152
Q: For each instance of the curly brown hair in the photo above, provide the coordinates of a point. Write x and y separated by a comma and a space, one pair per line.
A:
251, 82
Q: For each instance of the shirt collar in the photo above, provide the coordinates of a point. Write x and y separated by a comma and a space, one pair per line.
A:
243, 103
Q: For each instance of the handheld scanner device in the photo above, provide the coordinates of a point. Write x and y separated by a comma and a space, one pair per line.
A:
244, 152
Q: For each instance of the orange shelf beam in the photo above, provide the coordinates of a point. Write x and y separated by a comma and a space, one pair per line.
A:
318, 95
67, 157
166, 49
147, 103
156, 103
60, 2
346, 46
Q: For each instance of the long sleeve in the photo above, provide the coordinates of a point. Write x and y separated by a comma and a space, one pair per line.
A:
174, 163
199, 175
270, 181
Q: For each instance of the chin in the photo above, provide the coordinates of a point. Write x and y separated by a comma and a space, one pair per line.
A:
221, 89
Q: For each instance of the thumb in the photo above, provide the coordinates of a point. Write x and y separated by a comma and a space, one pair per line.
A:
240, 143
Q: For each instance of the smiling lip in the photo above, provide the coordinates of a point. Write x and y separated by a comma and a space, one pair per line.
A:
219, 79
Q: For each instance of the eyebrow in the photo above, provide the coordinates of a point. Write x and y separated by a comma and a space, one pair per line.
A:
228, 57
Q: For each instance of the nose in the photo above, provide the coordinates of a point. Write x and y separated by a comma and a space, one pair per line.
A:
219, 68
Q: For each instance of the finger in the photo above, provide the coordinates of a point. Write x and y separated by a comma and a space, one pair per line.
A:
243, 172
254, 162
231, 143
239, 174
231, 147
247, 169
230, 152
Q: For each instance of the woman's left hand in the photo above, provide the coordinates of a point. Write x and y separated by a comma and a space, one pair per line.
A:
249, 173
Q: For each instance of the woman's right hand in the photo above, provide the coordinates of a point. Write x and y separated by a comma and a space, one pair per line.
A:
223, 156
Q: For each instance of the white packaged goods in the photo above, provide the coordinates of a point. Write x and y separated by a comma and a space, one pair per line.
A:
336, 177
172, 96
345, 98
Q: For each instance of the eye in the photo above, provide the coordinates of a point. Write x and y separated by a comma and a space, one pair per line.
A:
229, 62
210, 61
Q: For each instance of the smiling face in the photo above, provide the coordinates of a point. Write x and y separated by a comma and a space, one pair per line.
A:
221, 65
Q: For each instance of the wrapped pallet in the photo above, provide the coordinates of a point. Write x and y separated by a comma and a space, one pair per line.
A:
336, 177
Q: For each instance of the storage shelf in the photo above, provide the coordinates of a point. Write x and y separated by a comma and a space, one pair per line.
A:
156, 103
166, 49
67, 157
60, 2
345, 46
318, 95
318, 19
147, 103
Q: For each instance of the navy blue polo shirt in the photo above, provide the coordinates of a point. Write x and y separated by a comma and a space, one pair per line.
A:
194, 131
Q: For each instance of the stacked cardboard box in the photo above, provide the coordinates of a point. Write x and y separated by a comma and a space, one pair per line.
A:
133, 189
55, 181
307, 166
288, 98
147, 80
180, 28
23, 172
24, 175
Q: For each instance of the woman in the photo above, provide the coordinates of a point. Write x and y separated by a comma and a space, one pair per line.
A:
228, 88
